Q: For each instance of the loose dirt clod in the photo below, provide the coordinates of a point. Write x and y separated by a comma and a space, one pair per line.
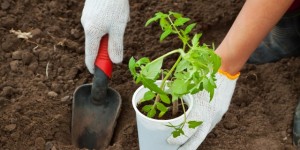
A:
5, 5
27, 58
39, 143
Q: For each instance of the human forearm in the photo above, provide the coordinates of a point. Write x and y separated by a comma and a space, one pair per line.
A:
255, 20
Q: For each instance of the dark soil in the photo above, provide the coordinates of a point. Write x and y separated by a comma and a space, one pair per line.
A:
38, 76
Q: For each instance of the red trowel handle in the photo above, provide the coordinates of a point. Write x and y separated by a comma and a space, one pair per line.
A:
103, 61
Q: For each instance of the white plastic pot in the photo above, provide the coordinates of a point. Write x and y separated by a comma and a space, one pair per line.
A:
153, 133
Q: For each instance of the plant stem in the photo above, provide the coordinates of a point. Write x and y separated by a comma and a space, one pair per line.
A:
167, 54
167, 75
183, 111
180, 36
171, 107
182, 103
175, 108
175, 103
171, 71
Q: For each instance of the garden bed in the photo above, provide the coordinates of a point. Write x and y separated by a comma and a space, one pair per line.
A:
38, 76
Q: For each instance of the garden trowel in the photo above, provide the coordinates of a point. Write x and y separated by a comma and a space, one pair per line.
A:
96, 106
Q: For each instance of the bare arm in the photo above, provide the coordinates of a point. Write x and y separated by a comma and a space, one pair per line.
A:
253, 23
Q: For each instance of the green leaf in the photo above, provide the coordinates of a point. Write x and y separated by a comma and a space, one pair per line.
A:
164, 98
211, 94
165, 34
162, 113
142, 61
212, 81
182, 65
181, 21
148, 96
179, 87
175, 14
189, 28
137, 79
147, 108
208, 87
161, 107
148, 83
217, 62
176, 133
161, 15
164, 24
195, 40
194, 124
179, 75
170, 125
151, 113
157, 16
131, 65
151, 20
152, 69
205, 83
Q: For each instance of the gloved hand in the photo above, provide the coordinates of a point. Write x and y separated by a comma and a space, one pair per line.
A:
100, 17
210, 112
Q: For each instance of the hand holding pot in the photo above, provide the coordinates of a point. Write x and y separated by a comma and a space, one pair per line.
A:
210, 112
100, 17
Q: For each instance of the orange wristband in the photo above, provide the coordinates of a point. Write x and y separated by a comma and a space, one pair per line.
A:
228, 75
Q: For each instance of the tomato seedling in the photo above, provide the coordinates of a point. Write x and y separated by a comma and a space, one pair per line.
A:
193, 71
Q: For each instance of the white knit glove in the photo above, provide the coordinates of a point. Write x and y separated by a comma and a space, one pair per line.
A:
100, 17
210, 112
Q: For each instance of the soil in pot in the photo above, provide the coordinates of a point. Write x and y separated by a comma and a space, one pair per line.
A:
168, 115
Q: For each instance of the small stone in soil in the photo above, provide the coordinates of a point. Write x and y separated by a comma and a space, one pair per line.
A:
36, 32
53, 148
230, 125
65, 98
14, 65
15, 136
5, 5
75, 33
39, 143
33, 66
52, 94
7, 91
10, 127
17, 55
72, 73
27, 58
43, 55
48, 145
